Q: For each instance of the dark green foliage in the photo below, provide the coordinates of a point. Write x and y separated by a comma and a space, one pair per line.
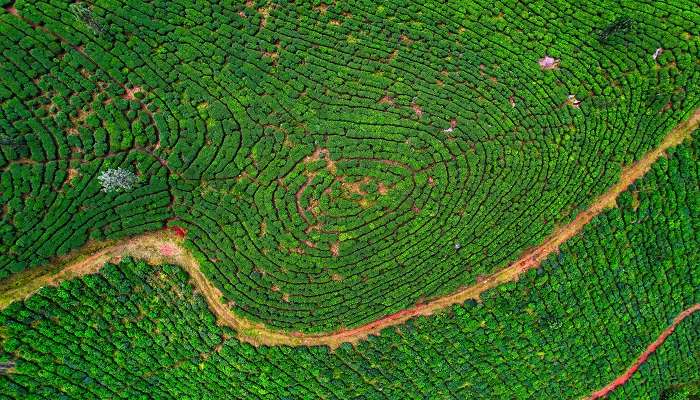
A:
432, 123
8, 141
561, 332
688, 391
618, 27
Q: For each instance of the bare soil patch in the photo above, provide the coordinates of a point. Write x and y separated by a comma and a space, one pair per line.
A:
130, 93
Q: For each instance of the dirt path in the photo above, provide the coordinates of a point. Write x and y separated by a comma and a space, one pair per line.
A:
622, 379
164, 246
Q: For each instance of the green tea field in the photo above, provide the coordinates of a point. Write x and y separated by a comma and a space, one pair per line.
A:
306, 199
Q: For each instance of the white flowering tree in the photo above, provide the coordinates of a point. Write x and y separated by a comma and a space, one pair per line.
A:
83, 13
117, 180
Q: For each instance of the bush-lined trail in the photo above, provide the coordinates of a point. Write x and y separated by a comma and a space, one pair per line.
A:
162, 247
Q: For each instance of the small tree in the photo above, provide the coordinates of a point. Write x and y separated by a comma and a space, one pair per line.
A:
117, 180
82, 13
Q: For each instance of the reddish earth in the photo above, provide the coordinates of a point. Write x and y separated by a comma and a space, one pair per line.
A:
622, 379
387, 100
300, 193
130, 94
382, 189
169, 250
179, 231
335, 249
416, 109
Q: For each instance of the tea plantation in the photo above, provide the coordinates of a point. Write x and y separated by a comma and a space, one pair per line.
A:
335, 163
332, 164
564, 330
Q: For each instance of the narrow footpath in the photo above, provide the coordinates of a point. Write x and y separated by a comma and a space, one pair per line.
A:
622, 379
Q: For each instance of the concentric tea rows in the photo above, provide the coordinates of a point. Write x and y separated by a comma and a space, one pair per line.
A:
563, 331
330, 163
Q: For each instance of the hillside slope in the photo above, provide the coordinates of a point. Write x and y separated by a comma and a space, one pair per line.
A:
332, 163
564, 330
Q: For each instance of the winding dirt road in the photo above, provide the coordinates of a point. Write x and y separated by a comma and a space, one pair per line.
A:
165, 247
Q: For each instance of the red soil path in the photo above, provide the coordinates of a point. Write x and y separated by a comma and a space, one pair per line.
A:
179, 231
622, 379
167, 246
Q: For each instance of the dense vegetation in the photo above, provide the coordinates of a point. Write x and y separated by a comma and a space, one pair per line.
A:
654, 374
334, 163
563, 331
